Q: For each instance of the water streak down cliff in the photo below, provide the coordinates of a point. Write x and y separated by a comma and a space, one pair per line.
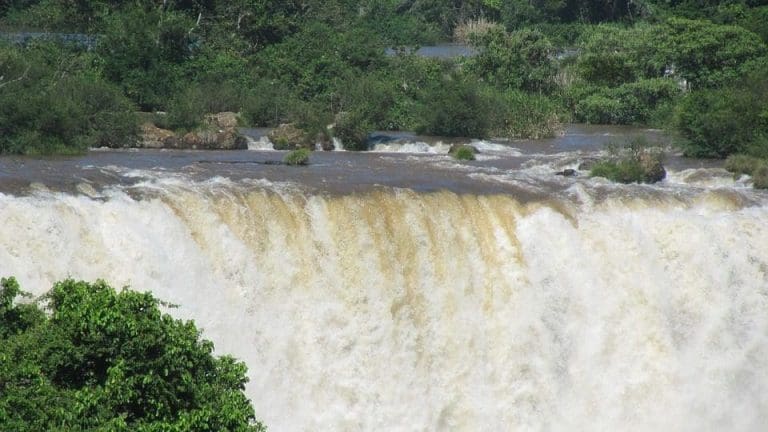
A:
398, 310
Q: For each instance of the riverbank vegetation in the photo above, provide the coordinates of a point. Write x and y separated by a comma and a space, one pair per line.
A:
636, 161
688, 66
88, 357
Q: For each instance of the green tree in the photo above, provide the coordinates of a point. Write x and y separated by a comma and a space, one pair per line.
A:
519, 60
725, 121
707, 54
53, 101
142, 51
107, 360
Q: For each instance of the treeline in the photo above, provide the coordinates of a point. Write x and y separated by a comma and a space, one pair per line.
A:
314, 63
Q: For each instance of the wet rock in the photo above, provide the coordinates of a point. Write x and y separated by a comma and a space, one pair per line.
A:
230, 140
568, 172
155, 137
653, 170
324, 142
586, 164
222, 120
288, 137
213, 140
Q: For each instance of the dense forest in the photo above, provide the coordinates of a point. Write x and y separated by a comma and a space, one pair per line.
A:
696, 67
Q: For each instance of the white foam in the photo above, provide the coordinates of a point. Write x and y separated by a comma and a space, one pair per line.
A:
400, 311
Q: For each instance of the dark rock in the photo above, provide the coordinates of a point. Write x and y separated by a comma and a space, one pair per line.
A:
155, 137
325, 141
586, 164
652, 168
568, 172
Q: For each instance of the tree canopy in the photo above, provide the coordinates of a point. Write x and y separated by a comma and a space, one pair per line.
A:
93, 358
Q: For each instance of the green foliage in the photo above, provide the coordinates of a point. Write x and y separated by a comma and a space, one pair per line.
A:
613, 55
725, 121
756, 167
142, 51
623, 171
269, 103
51, 101
518, 60
319, 59
464, 153
187, 109
634, 162
107, 360
515, 114
352, 130
743, 164
630, 103
760, 177
707, 54
297, 157
456, 108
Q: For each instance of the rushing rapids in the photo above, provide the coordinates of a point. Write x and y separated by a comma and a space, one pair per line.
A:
489, 299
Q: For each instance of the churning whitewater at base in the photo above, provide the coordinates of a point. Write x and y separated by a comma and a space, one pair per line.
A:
591, 307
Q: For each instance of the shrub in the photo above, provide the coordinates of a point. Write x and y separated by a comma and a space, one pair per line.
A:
107, 360
612, 55
268, 103
188, 108
622, 171
633, 162
515, 114
760, 177
43, 111
631, 103
456, 108
473, 28
297, 157
352, 131
600, 109
742, 164
464, 153
520, 60
725, 121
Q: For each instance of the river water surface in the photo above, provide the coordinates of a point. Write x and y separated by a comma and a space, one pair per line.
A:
401, 290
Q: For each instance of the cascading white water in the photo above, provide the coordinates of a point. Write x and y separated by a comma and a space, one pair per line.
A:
394, 310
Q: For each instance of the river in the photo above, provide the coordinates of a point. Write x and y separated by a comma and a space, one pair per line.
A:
401, 290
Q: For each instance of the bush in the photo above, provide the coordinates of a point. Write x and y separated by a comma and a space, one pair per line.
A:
630, 103
188, 108
522, 60
760, 177
107, 360
742, 164
456, 108
464, 153
725, 121
612, 55
755, 167
634, 162
142, 51
268, 104
516, 114
45, 111
623, 171
352, 130
297, 157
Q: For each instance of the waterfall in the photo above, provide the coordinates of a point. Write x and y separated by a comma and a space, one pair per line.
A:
404, 311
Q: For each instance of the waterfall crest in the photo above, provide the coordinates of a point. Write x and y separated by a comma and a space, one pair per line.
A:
398, 310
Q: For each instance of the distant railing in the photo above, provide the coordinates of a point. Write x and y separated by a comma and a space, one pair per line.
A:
86, 41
